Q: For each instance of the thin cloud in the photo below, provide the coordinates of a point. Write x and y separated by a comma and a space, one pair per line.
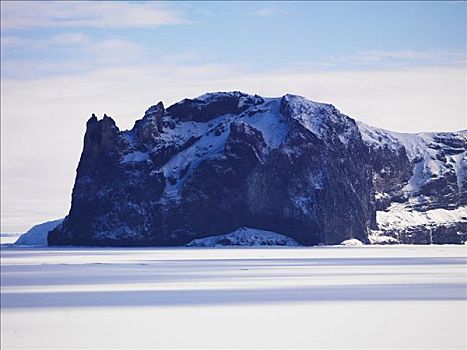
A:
402, 57
78, 53
269, 12
14, 42
411, 55
114, 51
69, 39
95, 14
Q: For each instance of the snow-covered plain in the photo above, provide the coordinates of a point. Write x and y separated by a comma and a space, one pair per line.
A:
323, 297
9, 238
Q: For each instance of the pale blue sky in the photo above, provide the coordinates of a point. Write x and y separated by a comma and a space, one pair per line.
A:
259, 35
395, 65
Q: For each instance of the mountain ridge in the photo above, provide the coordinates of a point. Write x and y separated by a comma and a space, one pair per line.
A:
210, 165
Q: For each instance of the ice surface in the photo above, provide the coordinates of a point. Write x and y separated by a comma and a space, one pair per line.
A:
340, 297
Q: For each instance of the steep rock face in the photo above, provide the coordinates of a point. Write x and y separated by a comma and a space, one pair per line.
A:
219, 162
209, 165
420, 184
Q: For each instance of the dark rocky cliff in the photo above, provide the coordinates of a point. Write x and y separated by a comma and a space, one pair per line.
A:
420, 186
210, 165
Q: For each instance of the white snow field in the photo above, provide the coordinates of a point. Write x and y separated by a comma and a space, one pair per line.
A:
342, 297
9, 238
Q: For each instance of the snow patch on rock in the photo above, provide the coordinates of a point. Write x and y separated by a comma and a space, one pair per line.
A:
399, 216
399, 219
432, 155
135, 157
378, 237
352, 243
245, 237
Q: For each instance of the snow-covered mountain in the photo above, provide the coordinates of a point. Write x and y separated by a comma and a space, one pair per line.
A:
37, 235
420, 185
210, 165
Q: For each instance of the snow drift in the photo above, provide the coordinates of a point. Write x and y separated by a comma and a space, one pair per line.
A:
37, 235
245, 237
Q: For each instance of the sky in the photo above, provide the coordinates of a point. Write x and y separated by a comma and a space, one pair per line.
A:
396, 65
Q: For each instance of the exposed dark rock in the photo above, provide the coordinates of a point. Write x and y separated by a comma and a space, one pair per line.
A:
212, 105
209, 165
148, 128
448, 234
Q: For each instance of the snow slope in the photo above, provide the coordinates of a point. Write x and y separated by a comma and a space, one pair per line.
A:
245, 237
399, 219
433, 154
37, 235
399, 216
352, 243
